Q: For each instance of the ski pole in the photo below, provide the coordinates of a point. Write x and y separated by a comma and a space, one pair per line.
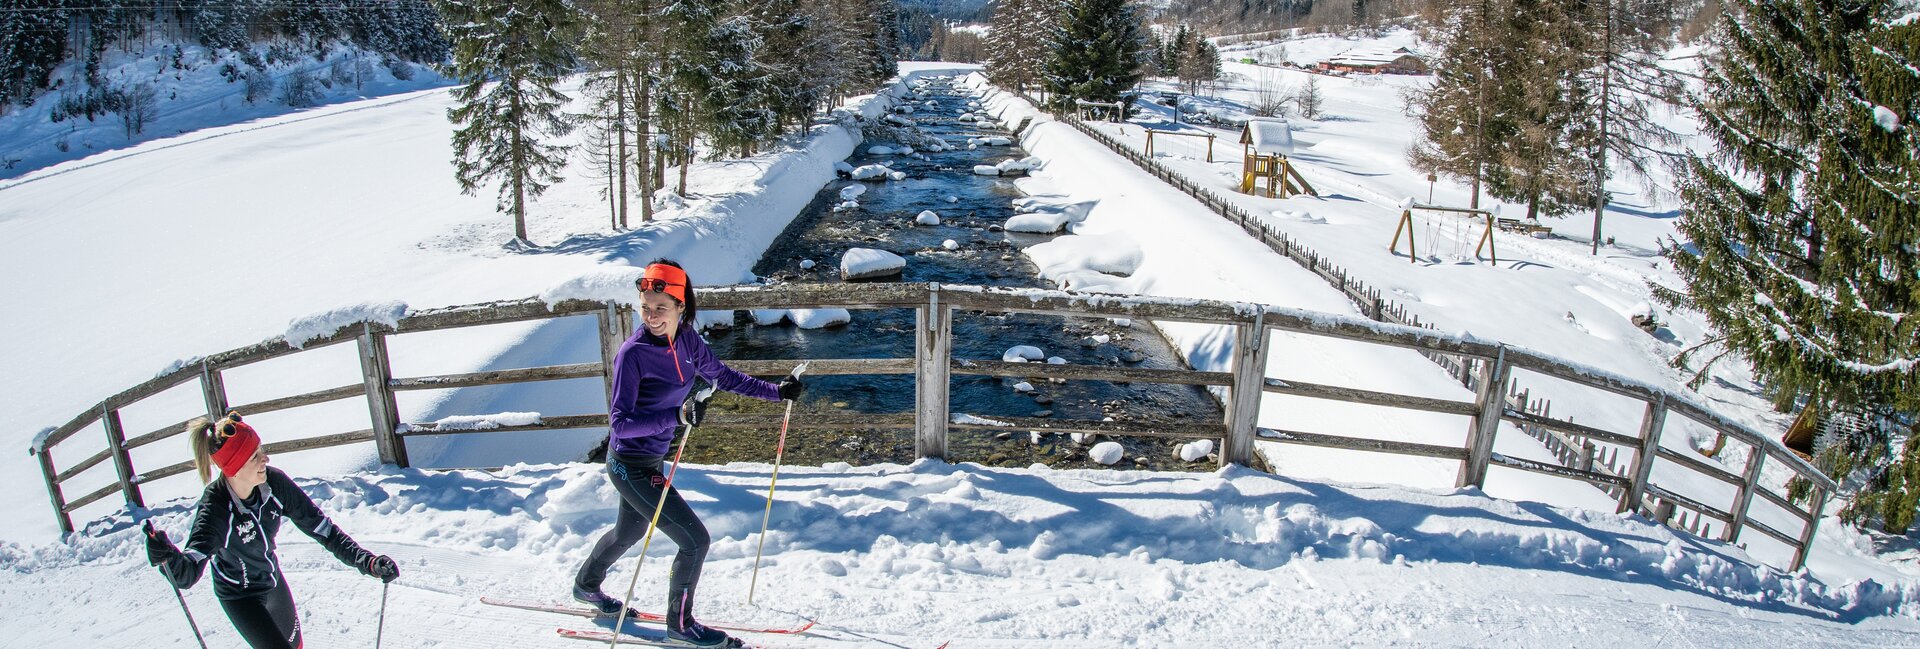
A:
625, 603
182, 599
380, 631
779, 449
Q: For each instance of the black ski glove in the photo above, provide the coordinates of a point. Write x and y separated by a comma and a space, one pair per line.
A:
692, 412
159, 549
381, 567
790, 388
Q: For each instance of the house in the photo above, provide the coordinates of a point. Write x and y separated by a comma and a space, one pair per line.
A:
1397, 61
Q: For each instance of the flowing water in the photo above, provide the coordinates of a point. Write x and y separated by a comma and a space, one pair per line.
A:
971, 209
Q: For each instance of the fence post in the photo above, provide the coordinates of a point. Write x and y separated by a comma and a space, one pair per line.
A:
933, 351
1756, 458
385, 415
1813, 524
615, 326
1586, 455
1644, 455
1491, 402
213, 389
53, 491
122, 463
1249, 379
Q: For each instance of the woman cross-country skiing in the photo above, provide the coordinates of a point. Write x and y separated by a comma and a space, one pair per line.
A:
234, 529
653, 372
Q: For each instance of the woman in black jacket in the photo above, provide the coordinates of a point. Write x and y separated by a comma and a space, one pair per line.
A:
234, 529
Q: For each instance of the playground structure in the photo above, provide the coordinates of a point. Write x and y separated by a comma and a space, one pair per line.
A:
1406, 224
1266, 144
1152, 132
1086, 109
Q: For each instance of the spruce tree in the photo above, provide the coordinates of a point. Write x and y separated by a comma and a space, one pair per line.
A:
1097, 58
32, 42
508, 56
1799, 230
1018, 43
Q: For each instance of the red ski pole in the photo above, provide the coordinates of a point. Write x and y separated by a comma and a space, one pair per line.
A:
779, 450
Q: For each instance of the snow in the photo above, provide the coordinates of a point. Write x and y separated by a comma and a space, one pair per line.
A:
1340, 549
819, 318
1196, 450
950, 245
851, 192
1886, 118
871, 172
1107, 453
866, 263
927, 217
986, 170
482, 422
305, 329
1271, 136
1022, 354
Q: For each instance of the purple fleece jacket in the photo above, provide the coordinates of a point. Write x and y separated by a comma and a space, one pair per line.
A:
651, 379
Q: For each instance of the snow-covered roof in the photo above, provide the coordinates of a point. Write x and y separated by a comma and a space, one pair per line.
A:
1371, 57
1269, 136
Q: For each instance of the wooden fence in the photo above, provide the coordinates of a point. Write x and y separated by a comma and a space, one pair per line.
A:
934, 417
1664, 504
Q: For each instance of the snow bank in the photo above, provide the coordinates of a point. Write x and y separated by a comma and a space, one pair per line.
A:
1088, 262
819, 318
867, 263
481, 422
308, 328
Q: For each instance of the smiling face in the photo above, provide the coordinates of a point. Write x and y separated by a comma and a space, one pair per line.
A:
253, 474
660, 313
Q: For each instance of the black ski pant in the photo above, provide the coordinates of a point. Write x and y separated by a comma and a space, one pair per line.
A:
267, 621
642, 484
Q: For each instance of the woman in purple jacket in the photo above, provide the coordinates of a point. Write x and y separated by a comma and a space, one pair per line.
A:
653, 372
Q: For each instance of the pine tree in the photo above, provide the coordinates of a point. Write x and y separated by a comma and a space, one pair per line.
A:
1454, 114
1199, 63
1097, 58
509, 55
1537, 103
1176, 52
32, 42
1013, 60
1799, 230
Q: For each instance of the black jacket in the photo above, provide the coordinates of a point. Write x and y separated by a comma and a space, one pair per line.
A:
238, 536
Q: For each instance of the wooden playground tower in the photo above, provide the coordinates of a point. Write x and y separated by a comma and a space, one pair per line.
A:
1265, 170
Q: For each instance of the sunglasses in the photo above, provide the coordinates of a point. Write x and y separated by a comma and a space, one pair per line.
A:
655, 285
227, 429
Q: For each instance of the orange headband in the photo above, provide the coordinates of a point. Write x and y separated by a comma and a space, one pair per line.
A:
664, 278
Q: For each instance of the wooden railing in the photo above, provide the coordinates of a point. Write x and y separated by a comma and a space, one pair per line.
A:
934, 417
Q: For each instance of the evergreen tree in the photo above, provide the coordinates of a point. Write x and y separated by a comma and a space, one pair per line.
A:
1308, 99
1012, 61
1536, 101
508, 56
1098, 54
1453, 113
1800, 239
1199, 63
1176, 52
32, 42
1622, 85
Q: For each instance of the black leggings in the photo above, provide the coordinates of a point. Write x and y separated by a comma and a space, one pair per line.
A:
267, 621
640, 481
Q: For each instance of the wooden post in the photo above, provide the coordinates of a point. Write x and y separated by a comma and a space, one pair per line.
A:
1586, 455
53, 491
1644, 455
1813, 524
381, 409
1209, 147
1490, 401
614, 330
1406, 223
1249, 379
1662, 510
1756, 458
933, 344
122, 463
213, 389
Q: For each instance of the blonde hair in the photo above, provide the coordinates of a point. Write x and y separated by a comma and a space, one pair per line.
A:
201, 430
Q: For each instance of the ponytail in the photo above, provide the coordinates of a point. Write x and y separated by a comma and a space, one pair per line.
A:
201, 432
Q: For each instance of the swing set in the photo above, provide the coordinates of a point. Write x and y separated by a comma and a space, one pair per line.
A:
1406, 225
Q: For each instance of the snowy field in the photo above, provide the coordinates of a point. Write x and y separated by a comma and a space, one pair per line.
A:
220, 238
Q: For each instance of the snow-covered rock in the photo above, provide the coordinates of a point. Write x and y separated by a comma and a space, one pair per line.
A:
768, 317
1022, 354
950, 244
866, 263
897, 175
986, 170
1106, 453
1023, 387
880, 150
871, 172
807, 264
1196, 450
819, 318
927, 217
851, 192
